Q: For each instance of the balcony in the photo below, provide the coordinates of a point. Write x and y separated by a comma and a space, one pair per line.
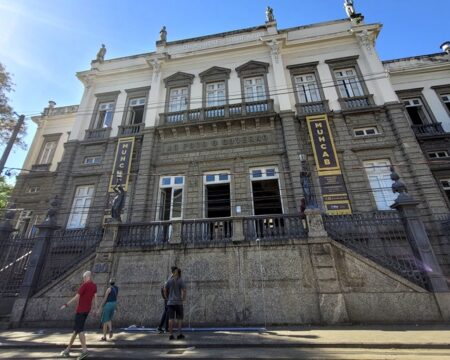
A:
218, 112
40, 167
97, 134
311, 108
356, 102
131, 130
426, 130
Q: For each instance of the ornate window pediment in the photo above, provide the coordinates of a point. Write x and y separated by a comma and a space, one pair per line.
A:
215, 73
179, 78
252, 68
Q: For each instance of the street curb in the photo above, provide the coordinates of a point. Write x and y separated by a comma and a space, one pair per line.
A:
230, 345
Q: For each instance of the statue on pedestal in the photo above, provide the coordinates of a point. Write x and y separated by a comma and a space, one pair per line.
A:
269, 15
50, 218
101, 54
163, 34
351, 12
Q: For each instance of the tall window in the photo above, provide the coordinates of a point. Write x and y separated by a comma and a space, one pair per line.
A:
171, 197
80, 206
178, 99
445, 183
379, 175
217, 194
307, 89
348, 83
47, 152
136, 111
416, 111
266, 191
446, 100
105, 115
254, 89
215, 93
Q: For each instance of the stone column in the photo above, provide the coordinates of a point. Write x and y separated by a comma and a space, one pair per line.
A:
33, 272
291, 143
175, 236
238, 229
315, 223
419, 241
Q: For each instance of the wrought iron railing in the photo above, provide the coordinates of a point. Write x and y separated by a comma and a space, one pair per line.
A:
428, 129
15, 253
207, 230
380, 237
316, 107
218, 112
133, 129
67, 248
144, 234
274, 227
356, 102
97, 134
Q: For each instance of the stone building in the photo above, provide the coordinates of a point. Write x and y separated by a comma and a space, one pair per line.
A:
221, 142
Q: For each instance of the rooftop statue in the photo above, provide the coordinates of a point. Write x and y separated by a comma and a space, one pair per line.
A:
351, 12
269, 14
163, 34
101, 54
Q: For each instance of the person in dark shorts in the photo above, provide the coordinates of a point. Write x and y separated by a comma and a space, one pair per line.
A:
108, 307
175, 292
165, 316
86, 295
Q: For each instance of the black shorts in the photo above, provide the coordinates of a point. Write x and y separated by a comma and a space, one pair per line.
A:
80, 319
175, 311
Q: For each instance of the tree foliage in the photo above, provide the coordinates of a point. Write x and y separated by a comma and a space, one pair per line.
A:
7, 119
5, 192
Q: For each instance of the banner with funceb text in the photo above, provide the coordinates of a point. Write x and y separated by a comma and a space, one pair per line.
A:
122, 163
334, 192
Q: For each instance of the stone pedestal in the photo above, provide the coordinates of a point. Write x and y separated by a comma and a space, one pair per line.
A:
315, 223
419, 241
238, 230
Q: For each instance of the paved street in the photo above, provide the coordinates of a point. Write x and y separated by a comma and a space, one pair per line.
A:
349, 342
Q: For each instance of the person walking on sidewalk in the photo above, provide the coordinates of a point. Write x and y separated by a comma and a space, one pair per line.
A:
175, 292
165, 316
86, 295
108, 307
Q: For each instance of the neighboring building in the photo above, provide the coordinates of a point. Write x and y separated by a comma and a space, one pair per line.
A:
423, 84
220, 142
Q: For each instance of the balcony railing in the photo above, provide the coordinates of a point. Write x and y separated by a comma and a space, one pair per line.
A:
40, 167
133, 129
97, 134
428, 129
144, 234
218, 112
207, 230
316, 107
356, 102
274, 227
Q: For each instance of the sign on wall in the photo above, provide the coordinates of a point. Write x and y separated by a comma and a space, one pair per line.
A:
122, 163
332, 185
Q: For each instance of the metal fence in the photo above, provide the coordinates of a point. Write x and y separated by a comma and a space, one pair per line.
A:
15, 253
207, 230
66, 249
380, 237
144, 234
274, 227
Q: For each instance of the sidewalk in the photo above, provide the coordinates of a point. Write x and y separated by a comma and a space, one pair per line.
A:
376, 337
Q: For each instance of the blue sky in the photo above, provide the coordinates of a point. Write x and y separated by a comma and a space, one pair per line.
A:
44, 43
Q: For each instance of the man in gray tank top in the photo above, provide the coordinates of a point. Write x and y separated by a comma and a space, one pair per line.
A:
175, 293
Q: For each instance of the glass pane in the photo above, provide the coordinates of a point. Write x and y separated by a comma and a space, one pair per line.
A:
270, 172
179, 180
166, 181
256, 173
210, 178
177, 203
223, 177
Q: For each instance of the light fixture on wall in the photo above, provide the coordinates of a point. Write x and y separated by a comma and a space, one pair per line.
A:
446, 47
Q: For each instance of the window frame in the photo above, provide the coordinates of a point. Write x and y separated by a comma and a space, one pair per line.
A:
94, 157
102, 98
253, 69
377, 132
214, 74
174, 186
417, 93
48, 138
437, 157
442, 90
86, 215
178, 80
264, 177
386, 192
133, 94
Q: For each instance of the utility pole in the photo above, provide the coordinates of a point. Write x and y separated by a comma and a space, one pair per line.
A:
11, 142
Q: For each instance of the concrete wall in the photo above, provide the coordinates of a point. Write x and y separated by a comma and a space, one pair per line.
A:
296, 282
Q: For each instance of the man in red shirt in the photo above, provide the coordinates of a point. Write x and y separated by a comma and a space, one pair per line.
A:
87, 293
